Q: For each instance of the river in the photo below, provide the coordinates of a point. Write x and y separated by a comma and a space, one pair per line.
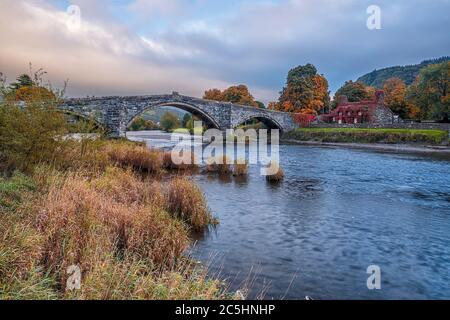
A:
337, 212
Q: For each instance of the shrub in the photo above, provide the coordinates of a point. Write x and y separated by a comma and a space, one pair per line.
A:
275, 173
188, 163
240, 168
219, 164
31, 134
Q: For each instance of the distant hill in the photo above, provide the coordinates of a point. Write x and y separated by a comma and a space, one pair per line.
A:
407, 73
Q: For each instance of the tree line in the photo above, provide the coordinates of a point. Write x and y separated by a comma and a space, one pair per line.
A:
307, 92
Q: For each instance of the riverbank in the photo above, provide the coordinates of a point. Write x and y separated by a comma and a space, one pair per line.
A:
397, 148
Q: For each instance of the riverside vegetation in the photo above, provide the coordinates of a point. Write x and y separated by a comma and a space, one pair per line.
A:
109, 207
372, 135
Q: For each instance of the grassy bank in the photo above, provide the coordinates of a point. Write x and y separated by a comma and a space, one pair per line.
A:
372, 135
109, 213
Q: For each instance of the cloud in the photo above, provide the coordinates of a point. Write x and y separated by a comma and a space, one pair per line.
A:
157, 46
97, 60
150, 8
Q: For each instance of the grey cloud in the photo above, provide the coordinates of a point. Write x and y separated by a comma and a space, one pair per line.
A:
256, 44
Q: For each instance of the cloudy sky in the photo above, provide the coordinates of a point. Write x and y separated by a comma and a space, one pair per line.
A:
159, 46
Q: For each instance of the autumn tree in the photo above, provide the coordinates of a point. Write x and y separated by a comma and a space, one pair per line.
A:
305, 91
395, 98
27, 93
236, 94
430, 92
355, 91
213, 94
169, 121
272, 105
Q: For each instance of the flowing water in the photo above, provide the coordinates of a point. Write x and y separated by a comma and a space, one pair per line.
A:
337, 212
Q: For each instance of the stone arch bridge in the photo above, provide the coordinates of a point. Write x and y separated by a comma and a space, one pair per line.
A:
116, 113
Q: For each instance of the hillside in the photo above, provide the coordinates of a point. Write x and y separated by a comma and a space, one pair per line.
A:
407, 73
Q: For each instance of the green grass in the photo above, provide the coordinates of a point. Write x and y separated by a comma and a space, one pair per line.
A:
12, 189
370, 135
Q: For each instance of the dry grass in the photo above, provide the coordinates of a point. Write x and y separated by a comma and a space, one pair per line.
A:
126, 231
82, 219
275, 173
188, 162
186, 201
132, 280
219, 164
240, 168
138, 157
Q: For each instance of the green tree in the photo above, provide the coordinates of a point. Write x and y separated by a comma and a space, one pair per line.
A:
186, 118
431, 92
139, 123
169, 121
31, 132
260, 105
355, 91
23, 80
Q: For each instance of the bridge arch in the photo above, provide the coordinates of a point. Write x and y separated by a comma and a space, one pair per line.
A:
269, 122
80, 116
191, 108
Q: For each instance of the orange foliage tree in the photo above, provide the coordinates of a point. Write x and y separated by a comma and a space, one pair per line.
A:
305, 92
213, 94
395, 98
236, 94
29, 93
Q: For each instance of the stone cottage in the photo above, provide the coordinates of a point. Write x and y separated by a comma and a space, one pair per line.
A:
369, 111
